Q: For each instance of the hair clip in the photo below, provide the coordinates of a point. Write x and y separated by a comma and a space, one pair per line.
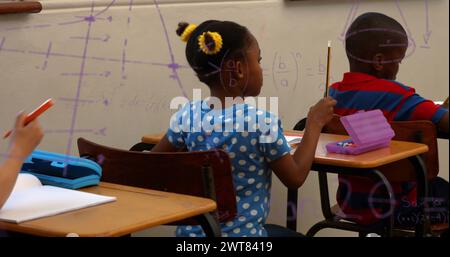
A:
212, 47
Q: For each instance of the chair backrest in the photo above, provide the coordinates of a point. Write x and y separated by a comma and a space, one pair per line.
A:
204, 174
419, 131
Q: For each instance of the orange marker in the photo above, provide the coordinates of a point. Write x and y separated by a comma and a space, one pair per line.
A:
34, 114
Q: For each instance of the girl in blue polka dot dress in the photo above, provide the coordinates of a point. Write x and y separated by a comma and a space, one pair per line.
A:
226, 57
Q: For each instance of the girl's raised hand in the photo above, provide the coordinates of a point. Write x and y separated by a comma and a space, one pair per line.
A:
321, 113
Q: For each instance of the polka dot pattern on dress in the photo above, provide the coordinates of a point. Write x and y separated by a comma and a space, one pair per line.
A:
249, 157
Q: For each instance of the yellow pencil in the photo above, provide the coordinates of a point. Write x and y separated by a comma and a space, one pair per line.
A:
327, 82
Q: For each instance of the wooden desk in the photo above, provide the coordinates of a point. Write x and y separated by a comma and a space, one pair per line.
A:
152, 138
398, 150
364, 164
135, 209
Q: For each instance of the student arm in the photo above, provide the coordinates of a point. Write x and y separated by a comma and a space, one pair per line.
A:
8, 176
293, 170
24, 141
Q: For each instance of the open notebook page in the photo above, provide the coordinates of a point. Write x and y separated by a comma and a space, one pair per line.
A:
30, 200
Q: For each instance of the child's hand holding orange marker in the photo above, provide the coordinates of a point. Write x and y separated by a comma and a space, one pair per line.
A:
34, 114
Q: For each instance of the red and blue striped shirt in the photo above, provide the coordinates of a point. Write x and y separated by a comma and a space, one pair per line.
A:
359, 91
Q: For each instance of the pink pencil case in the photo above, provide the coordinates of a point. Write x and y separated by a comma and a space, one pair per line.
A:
368, 131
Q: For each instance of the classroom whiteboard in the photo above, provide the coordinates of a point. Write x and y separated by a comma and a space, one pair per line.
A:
112, 66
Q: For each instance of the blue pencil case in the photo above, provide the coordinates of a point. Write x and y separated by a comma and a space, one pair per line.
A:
62, 170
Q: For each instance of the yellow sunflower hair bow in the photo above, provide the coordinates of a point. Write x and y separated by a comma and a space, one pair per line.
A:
187, 32
209, 48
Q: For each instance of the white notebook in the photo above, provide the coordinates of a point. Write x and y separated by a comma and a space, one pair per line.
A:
31, 200
293, 140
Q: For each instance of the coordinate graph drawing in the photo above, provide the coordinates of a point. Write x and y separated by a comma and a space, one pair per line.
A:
113, 67
87, 55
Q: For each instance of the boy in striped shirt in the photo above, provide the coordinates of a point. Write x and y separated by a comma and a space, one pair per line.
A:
375, 45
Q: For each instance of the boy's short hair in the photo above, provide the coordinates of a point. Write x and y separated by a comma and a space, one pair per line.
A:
373, 33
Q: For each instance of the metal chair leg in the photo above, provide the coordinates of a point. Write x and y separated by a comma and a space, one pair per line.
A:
291, 219
209, 224
316, 228
389, 220
422, 228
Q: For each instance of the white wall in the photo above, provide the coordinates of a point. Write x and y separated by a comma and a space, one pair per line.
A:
126, 88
